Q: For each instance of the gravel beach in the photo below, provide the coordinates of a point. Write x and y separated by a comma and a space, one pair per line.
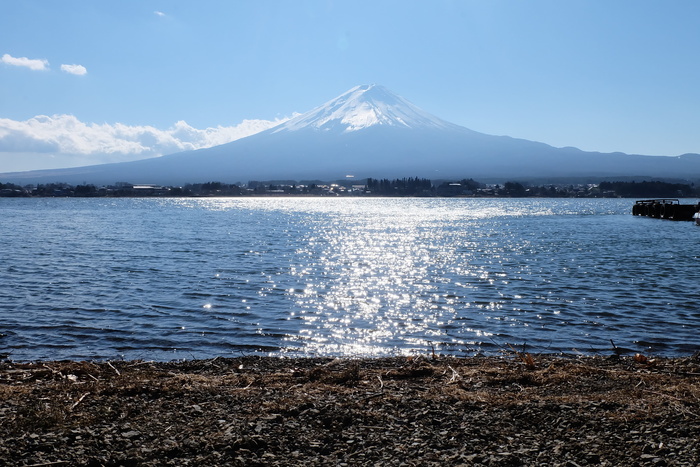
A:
425, 410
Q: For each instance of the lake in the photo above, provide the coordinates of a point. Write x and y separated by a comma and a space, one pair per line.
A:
164, 279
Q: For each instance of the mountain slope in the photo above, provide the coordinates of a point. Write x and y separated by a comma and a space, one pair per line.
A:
370, 132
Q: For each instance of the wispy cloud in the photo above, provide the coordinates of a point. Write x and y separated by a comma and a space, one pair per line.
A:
159, 13
74, 69
66, 136
37, 64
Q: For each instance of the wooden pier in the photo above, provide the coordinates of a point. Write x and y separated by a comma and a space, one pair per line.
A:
664, 208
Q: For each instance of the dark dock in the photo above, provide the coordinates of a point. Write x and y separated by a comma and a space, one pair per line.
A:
664, 208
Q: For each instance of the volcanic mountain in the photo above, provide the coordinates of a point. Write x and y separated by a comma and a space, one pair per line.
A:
371, 132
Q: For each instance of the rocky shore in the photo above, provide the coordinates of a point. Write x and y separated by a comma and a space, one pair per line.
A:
509, 411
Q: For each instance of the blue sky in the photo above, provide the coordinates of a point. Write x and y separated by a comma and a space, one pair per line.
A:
127, 79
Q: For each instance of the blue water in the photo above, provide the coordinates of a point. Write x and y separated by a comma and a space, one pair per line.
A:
196, 278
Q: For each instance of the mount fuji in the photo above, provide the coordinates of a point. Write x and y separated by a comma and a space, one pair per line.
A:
371, 132
363, 107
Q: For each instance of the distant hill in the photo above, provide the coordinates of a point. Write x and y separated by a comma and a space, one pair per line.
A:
371, 132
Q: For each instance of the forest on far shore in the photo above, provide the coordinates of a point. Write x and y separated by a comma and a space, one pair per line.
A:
411, 186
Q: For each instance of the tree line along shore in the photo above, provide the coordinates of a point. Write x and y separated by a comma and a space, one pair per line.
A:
403, 187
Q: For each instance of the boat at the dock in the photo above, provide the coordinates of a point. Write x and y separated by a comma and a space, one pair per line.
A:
666, 208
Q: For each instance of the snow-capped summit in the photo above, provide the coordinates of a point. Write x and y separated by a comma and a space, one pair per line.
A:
362, 107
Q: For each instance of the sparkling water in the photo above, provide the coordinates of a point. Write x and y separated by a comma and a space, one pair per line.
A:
196, 278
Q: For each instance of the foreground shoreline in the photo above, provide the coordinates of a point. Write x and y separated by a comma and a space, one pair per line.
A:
513, 410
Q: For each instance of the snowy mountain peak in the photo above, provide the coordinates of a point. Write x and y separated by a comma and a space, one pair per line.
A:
363, 107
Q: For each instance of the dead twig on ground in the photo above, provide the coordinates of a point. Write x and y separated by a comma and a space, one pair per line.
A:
49, 463
526, 358
455, 376
112, 367
79, 401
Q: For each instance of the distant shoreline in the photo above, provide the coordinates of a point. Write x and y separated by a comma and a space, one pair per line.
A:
369, 188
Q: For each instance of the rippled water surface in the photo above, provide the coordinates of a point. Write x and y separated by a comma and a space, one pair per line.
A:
195, 278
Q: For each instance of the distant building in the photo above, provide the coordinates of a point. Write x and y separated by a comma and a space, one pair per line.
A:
150, 190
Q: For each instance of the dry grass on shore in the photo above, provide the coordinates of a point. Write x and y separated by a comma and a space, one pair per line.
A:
517, 410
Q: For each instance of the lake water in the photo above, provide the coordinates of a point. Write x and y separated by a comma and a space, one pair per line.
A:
171, 279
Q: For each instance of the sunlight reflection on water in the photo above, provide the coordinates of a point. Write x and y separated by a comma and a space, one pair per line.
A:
372, 282
168, 278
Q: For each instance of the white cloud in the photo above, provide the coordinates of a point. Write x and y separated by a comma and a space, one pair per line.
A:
31, 63
68, 141
159, 13
74, 69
